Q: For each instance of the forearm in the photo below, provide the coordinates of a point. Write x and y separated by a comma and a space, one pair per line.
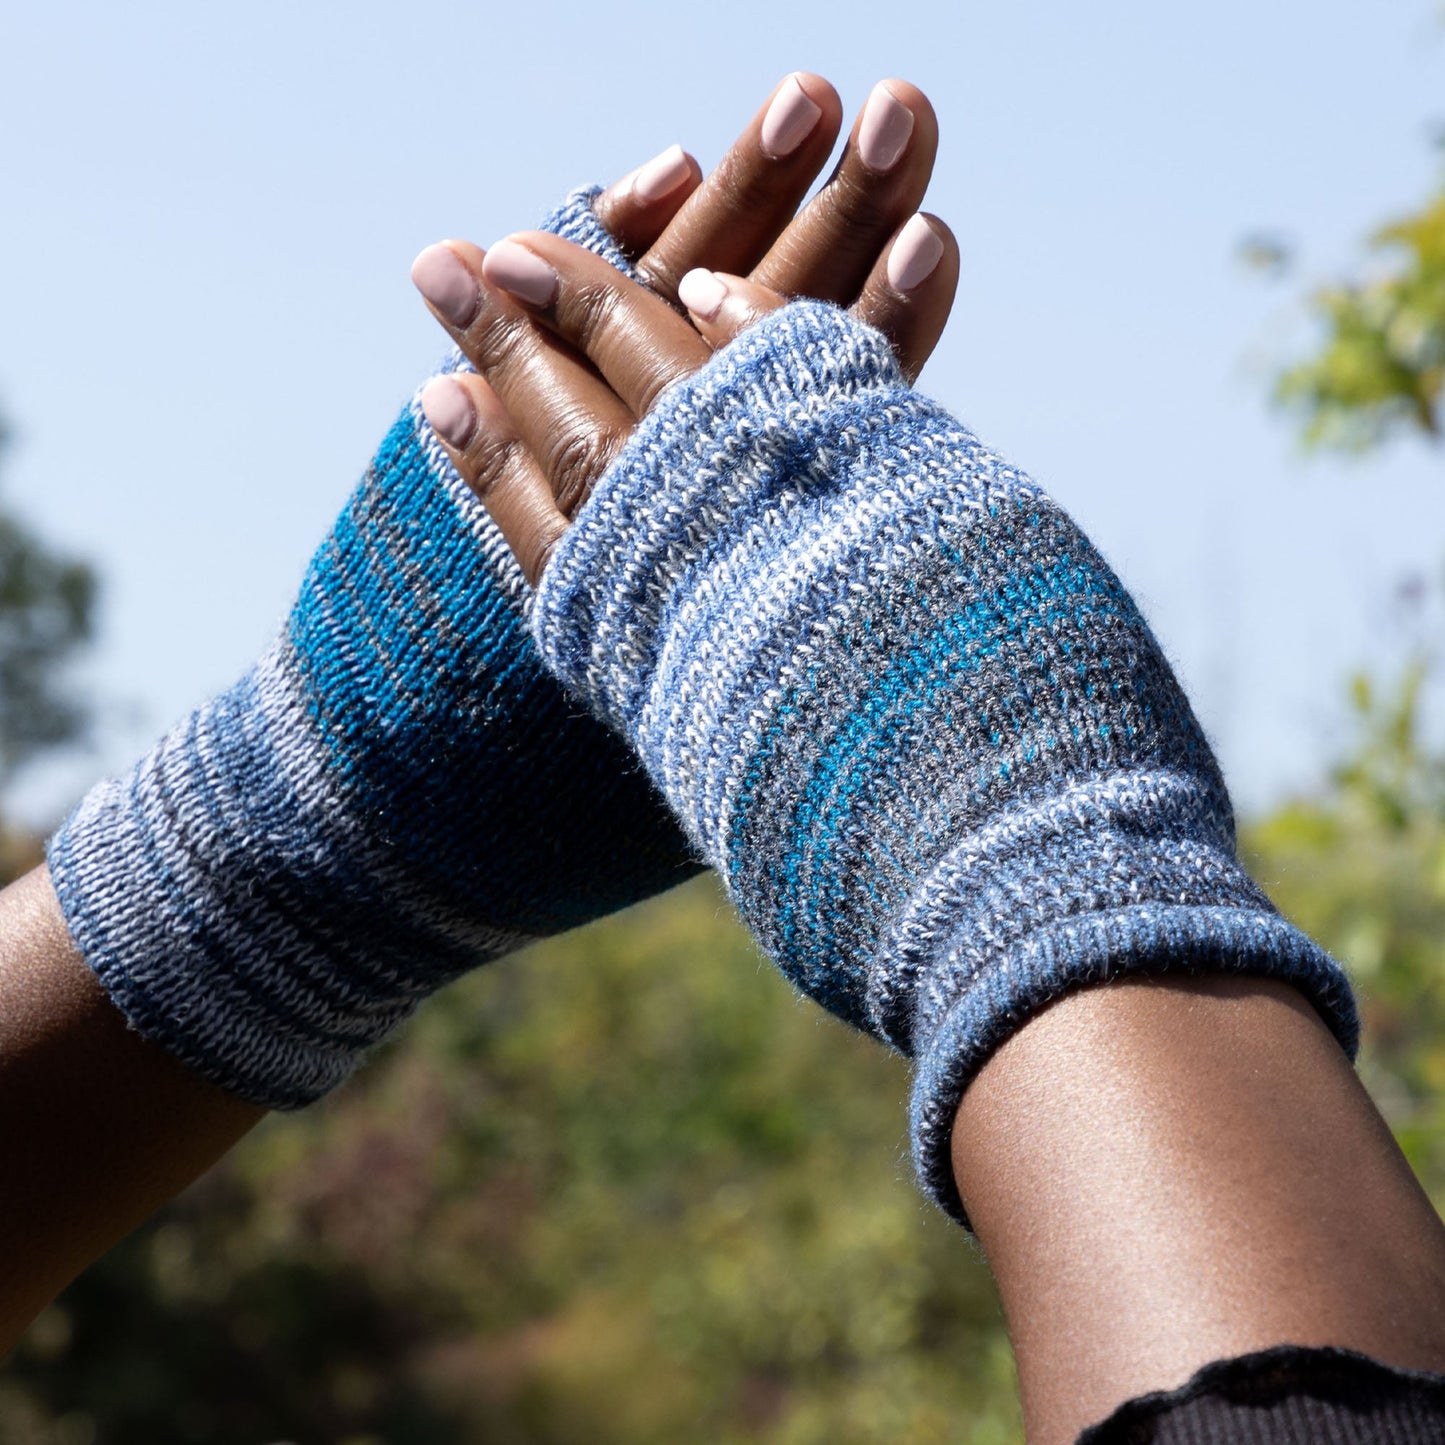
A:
98, 1127
1168, 1172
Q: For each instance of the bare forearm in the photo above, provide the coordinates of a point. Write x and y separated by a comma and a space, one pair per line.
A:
97, 1126
1163, 1173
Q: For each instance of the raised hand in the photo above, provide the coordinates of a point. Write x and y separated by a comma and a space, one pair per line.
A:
531, 446
894, 695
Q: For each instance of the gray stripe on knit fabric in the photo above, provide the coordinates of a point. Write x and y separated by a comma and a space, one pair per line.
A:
611, 634
928, 799
1095, 843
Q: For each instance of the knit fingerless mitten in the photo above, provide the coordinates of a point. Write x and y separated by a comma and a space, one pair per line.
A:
904, 708
395, 793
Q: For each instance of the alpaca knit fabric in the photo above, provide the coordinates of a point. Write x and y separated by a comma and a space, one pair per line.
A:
904, 707
395, 793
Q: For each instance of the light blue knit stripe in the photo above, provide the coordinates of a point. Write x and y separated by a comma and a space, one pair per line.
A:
823, 539
746, 454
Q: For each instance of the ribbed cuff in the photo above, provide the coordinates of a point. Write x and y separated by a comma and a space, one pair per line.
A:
237, 912
1151, 939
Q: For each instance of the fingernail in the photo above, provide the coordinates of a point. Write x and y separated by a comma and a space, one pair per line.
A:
524, 273
440, 276
662, 175
883, 134
790, 119
915, 255
702, 292
448, 408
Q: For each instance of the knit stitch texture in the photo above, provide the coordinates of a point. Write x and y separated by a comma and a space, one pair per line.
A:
904, 707
395, 793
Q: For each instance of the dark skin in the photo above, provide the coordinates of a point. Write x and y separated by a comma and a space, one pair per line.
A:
1161, 1172
98, 1127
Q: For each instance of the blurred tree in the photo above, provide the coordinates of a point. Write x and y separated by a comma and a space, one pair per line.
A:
1380, 367
46, 611
625, 1188
1361, 866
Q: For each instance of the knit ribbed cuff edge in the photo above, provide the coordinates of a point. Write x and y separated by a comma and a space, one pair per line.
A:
1150, 940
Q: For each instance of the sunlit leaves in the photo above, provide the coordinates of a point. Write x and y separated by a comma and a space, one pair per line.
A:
1380, 367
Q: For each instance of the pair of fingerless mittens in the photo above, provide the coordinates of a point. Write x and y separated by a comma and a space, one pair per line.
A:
904, 708
891, 692
396, 792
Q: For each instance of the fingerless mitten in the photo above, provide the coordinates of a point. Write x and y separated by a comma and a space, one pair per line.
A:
395, 793
904, 707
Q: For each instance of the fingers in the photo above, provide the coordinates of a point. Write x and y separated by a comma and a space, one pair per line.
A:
636, 210
634, 338
729, 222
569, 417
909, 292
829, 250
907, 297
722, 306
488, 450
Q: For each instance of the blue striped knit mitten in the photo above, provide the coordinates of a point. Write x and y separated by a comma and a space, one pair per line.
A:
395, 793
905, 709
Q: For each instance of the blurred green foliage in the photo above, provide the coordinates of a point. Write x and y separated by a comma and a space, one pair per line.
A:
623, 1188
46, 606
1362, 867
1380, 367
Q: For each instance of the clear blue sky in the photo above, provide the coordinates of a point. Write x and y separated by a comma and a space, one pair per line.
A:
206, 322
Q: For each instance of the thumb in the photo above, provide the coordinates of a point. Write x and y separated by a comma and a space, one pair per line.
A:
721, 306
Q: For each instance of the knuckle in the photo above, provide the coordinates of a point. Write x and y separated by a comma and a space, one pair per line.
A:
491, 460
497, 342
579, 455
860, 203
592, 311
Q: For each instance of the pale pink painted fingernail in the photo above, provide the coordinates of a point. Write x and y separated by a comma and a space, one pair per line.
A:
886, 126
439, 275
523, 273
702, 292
790, 119
446, 405
662, 175
915, 255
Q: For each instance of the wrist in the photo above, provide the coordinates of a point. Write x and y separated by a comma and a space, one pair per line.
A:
1186, 1169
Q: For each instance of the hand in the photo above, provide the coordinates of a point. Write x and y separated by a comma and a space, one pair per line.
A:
536, 425
740, 220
